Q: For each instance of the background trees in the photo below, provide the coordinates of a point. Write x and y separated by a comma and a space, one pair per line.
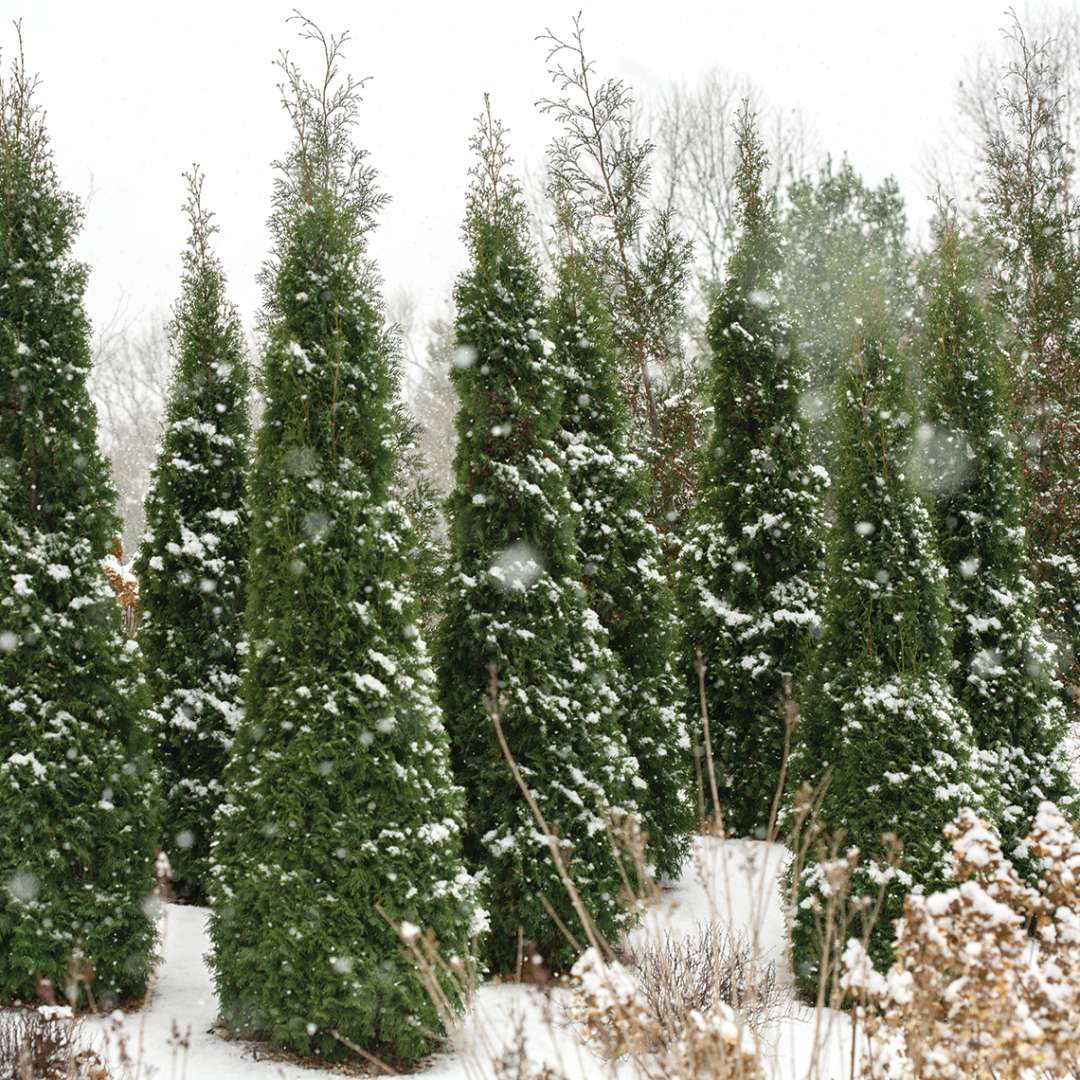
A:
129, 384
76, 786
192, 561
1031, 210
845, 244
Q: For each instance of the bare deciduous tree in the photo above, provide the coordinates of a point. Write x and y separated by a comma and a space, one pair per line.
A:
692, 128
431, 399
129, 383
955, 167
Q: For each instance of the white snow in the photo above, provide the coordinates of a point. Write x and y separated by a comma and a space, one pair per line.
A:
733, 883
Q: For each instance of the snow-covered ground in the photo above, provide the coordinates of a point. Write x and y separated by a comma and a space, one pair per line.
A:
732, 883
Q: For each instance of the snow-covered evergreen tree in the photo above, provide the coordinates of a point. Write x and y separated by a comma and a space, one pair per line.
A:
76, 799
620, 556
341, 823
750, 567
1004, 668
879, 718
842, 239
514, 604
191, 564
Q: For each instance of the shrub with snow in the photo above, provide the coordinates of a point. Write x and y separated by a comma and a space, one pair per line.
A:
971, 996
615, 1017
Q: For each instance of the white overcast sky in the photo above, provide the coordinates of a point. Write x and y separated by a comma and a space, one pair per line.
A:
137, 91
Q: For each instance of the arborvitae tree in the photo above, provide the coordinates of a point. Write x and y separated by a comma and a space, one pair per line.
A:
604, 169
879, 719
841, 238
191, 564
750, 567
515, 608
341, 823
1003, 670
620, 556
1032, 211
76, 800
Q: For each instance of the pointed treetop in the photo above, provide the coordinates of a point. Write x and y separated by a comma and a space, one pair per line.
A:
323, 160
324, 169
757, 254
22, 120
599, 156
198, 255
751, 168
494, 195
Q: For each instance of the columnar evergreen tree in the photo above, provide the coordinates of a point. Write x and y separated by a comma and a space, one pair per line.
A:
341, 824
750, 567
620, 556
841, 238
1003, 669
191, 565
76, 798
879, 719
1033, 212
514, 605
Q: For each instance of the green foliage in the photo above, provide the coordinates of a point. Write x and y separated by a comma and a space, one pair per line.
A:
879, 722
750, 567
1003, 669
620, 556
341, 823
426, 552
843, 241
1032, 212
601, 169
191, 564
76, 798
514, 604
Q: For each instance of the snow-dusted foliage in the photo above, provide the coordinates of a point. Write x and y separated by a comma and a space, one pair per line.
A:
341, 821
621, 561
514, 604
880, 723
1003, 668
616, 1018
192, 559
971, 996
76, 805
750, 567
